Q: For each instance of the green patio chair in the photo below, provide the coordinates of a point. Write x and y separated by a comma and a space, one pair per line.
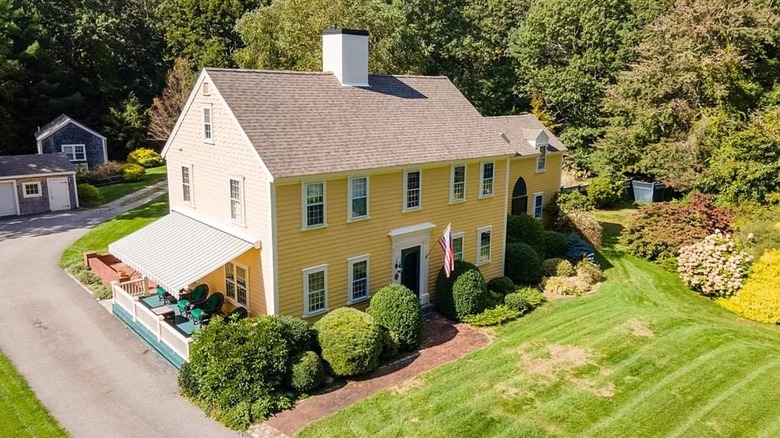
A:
238, 313
202, 313
161, 294
187, 301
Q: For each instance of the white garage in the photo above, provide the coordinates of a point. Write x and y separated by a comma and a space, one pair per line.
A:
36, 184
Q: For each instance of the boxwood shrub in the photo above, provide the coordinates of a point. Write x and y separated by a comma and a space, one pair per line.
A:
523, 228
502, 285
89, 195
523, 264
296, 333
351, 341
469, 293
555, 244
444, 300
307, 372
398, 309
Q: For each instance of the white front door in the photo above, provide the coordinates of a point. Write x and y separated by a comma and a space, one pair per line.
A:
59, 194
7, 198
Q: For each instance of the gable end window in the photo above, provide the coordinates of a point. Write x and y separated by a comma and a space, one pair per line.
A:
237, 200
538, 205
358, 279
75, 152
457, 246
32, 190
207, 124
237, 284
186, 185
315, 290
486, 179
541, 159
358, 198
412, 190
484, 243
314, 204
458, 183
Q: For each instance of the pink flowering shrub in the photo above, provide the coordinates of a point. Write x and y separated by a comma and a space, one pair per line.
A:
715, 266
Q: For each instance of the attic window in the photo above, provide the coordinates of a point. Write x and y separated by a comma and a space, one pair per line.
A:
206, 89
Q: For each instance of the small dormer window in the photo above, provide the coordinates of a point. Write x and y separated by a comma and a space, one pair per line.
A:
541, 159
206, 89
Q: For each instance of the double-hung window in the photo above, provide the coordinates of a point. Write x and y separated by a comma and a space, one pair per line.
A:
358, 279
457, 246
207, 128
484, 236
237, 284
412, 189
75, 152
186, 184
237, 200
538, 205
541, 159
314, 204
458, 183
486, 179
315, 290
358, 198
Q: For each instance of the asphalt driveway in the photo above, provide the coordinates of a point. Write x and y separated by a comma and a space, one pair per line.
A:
94, 375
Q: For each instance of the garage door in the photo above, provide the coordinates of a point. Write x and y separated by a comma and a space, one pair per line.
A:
7, 199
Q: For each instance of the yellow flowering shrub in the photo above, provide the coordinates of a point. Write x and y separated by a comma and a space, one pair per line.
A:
759, 298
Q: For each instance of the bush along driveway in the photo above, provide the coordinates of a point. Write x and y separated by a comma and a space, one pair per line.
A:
644, 356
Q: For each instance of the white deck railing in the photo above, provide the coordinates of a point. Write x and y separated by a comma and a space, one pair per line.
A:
128, 298
135, 288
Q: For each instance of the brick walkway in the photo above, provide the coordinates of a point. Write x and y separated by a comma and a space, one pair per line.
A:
444, 342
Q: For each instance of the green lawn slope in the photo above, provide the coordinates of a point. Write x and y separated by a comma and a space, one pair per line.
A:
642, 357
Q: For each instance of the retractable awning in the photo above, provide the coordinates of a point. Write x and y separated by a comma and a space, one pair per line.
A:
177, 250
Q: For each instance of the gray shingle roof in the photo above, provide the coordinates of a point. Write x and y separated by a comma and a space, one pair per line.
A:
58, 123
19, 165
307, 123
518, 129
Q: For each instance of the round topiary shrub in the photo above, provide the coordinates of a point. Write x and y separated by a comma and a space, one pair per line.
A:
296, 332
307, 372
145, 157
351, 341
523, 228
502, 285
444, 301
469, 293
89, 195
558, 268
523, 264
132, 172
398, 309
390, 344
555, 244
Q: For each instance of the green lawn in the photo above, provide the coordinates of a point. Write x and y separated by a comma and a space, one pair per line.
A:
21, 414
116, 191
116, 228
643, 356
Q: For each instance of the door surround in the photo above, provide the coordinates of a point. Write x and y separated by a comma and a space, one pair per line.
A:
408, 237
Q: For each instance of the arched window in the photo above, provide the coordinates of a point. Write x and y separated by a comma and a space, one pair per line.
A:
520, 198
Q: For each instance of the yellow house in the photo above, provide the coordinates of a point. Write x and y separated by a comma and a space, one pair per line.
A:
298, 193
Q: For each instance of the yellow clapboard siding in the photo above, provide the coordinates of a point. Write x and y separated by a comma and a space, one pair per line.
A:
547, 182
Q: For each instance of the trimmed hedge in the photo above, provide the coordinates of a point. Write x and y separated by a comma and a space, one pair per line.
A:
557, 268
145, 157
523, 228
351, 341
523, 264
89, 195
132, 172
469, 293
397, 309
502, 285
307, 372
444, 301
555, 244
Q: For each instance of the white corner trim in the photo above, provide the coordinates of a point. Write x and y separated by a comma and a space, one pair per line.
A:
412, 229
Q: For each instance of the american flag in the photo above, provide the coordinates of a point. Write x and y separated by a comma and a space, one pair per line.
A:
446, 244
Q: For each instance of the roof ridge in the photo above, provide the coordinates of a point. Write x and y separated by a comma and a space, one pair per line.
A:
251, 70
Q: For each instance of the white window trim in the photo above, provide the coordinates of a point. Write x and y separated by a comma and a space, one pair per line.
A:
304, 217
482, 179
210, 139
461, 235
452, 183
206, 88
35, 183
235, 301
349, 200
74, 146
542, 153
350, 279
479, 260
191, 202
240, 179
406, 190
539, 195
306, 272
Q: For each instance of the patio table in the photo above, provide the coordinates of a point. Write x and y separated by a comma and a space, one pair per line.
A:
164, 311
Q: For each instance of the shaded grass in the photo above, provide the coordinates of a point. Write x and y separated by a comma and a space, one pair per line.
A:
21, 414
694, 370
115, 191
98, 239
